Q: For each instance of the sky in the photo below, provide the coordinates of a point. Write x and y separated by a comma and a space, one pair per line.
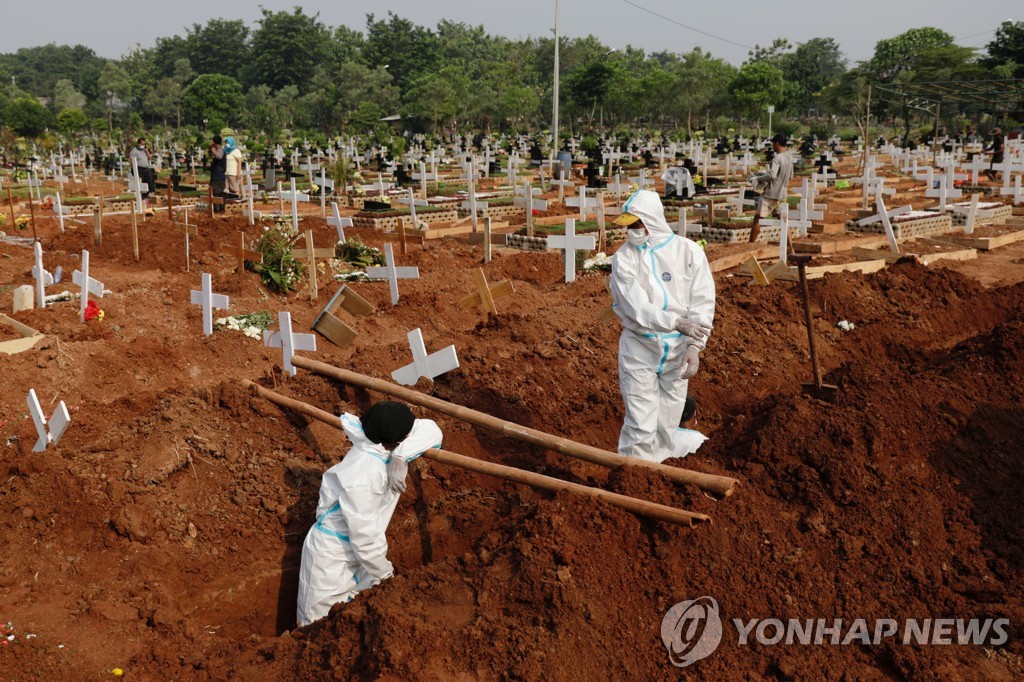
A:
727, 29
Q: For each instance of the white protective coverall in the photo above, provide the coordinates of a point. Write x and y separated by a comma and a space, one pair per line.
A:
653, 287
685, 442
345, 551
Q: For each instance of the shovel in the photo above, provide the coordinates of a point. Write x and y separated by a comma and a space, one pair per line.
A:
825, 392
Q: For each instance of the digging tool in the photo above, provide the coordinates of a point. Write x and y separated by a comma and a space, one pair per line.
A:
719, 486
826, 392
636, 506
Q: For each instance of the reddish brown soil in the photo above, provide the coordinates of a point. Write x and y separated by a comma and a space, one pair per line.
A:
162, 534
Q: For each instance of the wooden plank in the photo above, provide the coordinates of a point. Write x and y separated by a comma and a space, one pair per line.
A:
354, 303
335, 331
838, 245
732, 260
962, 254
874, 254
753, 268
30, 337
983, 243
819, 271
503, 288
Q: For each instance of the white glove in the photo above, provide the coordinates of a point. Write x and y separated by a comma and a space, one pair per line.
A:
691, 361
397, 469
695, 329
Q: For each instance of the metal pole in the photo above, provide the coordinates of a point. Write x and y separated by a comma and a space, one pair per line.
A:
554, 99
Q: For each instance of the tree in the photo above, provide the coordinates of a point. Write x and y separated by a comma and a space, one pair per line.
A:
757, 85
70, 121
406, 50
811, 68
27, 117
1007, 48
894, 56
286, 48
66, 97
702, 84
221, 46
115, 87
213, 96
589, 85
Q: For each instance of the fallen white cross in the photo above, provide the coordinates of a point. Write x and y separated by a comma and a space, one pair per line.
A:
287, 341
49, 432
424, 365
209, 300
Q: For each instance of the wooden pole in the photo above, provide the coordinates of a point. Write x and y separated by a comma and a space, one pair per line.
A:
720, 486
652, 510
487, 239
32, 214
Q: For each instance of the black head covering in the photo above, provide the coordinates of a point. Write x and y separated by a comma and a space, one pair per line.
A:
387, 422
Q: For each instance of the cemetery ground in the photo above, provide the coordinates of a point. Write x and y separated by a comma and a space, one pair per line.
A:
162, 534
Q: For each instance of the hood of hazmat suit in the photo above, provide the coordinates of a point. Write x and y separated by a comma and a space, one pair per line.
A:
345, 551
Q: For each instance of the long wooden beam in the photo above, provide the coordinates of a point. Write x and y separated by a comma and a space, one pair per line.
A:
720, 486
646, 508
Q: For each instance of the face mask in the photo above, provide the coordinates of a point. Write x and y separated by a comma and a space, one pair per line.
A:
636, 237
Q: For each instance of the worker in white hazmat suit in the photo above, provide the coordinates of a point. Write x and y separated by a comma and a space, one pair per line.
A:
345, 551
664, 295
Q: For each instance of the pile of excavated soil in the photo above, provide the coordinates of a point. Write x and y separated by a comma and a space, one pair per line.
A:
162, 534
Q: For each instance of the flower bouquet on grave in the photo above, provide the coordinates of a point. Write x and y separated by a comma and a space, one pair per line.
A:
3, 219
251, 324
21, 222
47, 202
93, 311
600, 262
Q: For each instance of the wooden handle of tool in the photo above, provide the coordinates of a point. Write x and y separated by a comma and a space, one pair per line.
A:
640, 507
719, 486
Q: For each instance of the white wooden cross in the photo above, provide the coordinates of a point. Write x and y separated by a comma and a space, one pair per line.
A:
423, 176
295, 197
740, 201
1014, 192
618, 187
975, 167
325, 184
570, 243
250, 190
683, 225
423, 365
86, 283
391, 273
43, 276
943, 192
892, 213
61, 210
49, 432
338, 222
643, 181
413, 203
562, 183
890, 235
584, 202
209, 300
136, 185
287, 341
471, 204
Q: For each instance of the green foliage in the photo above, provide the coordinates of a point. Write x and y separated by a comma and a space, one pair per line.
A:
27, 117
221, 46
757, 85
286, 48
72, 120
279, 271
898, 54
1007, 49
213, 96
358, 254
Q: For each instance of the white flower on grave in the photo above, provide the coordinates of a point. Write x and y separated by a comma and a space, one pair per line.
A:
845, 325
600, 261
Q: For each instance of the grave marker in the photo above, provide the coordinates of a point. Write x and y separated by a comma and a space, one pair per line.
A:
241, 253
87, 284
295, 197
311, 253
883, 215
338, 222
333, 329
423, 365
570, 243
42, 276
288, 341
208, 300
188, 231
391, 273
485, 295
49, 432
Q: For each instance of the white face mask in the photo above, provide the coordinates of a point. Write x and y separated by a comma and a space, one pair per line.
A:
636, 237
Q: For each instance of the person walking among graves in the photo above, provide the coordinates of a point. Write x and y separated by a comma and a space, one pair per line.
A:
233, 166
345, 551
687, 439
140, 154
664, 295
218, 169
998, 149
774, 181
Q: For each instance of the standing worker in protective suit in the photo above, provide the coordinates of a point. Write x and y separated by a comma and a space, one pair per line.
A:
345, 551
664, 294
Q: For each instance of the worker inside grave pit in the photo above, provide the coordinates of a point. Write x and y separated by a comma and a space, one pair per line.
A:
687, 439
664, 295
345, 551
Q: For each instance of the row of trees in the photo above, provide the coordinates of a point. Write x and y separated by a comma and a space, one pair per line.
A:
291, 71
